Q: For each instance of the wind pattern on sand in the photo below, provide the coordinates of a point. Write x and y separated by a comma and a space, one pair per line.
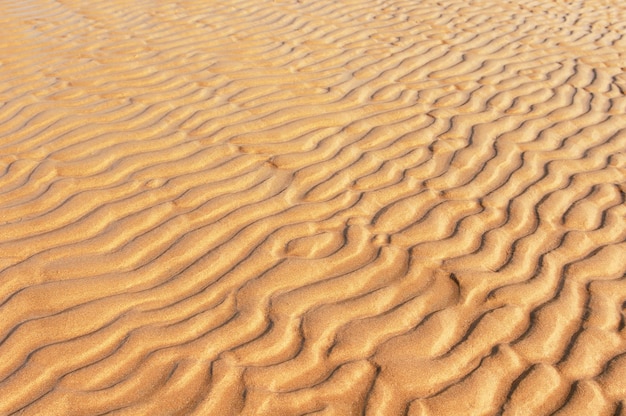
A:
312, 207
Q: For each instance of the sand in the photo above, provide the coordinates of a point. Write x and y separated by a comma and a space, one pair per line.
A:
329, 207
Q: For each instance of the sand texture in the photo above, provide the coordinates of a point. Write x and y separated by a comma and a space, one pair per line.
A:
321, 207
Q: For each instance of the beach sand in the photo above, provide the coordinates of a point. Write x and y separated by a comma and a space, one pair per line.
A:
329, 207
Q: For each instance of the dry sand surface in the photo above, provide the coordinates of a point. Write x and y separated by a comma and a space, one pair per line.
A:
329, 207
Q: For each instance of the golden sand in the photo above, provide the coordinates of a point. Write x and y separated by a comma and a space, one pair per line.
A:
329, 207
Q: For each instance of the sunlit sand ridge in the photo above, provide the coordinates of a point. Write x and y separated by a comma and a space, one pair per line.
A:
328, 207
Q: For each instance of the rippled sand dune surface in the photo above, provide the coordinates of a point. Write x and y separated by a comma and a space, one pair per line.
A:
321, 207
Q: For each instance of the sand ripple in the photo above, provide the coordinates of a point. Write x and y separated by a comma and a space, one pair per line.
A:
326, 207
